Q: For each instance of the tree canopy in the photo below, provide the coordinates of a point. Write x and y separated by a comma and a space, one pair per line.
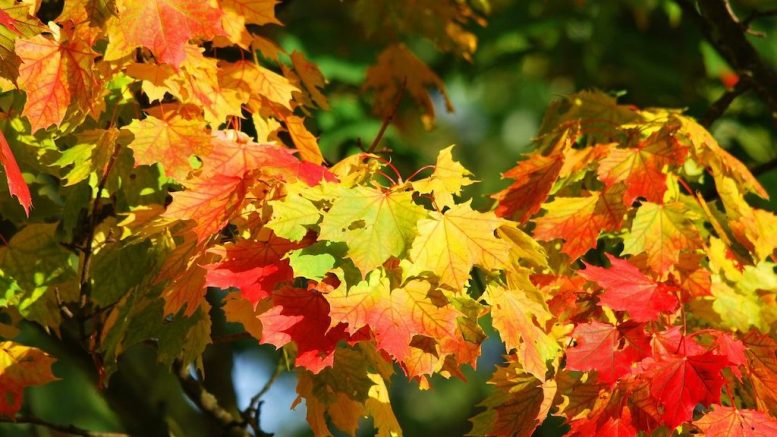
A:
212, 209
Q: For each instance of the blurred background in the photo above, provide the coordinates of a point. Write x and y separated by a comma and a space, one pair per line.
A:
530, 53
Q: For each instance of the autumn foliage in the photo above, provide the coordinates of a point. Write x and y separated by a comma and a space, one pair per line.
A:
632, 284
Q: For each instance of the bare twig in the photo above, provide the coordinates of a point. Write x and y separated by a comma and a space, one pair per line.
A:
758, 14
387, 121
68, 429
251, 413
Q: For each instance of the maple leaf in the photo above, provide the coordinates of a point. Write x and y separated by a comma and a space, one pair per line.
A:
375, 225
627, 289
170, 142
750, 226
761, 352
306, 143
257, 84
621, 426
354, 387
201, 86
682, 381
235, 154
312, 79
238, 13
292, 215
302, 316
162, 26
13, 176
580, 220
449, 244
394, 316
20, 367
208, 202
15, 22
89, 155
96, 12
597, 349
448, 178
441, 22
255, 267
662, 232
239, 310
733, 422
55, 75
707, 150
513, 314
641, 167
519, 404
398, 70
534, 178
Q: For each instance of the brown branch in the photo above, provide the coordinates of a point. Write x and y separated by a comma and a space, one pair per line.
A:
67, 429
720, 106
85, 289
727, 34
208, 403
758, 14
251, 413
764, 168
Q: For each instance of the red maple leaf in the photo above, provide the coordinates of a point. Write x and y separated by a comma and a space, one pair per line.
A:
628, 289
534, 178
302, 316
255, 267
163, 26
234, 153
597, 349
16, 185
681, 382
641, 167
732, 422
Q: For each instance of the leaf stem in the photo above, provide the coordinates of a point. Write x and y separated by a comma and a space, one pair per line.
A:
389, 118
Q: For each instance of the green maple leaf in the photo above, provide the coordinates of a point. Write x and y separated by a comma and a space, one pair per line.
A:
374, 224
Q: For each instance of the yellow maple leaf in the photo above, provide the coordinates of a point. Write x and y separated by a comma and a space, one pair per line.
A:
21, 367
448, 178
170, 142
449, 244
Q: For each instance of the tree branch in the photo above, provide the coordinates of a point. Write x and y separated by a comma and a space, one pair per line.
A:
208, 403
68, 429
720, 106
727, 34
764, 168
251, 413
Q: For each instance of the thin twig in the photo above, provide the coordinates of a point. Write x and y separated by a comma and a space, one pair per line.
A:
758, 14
85, 289
387, 121
252, 411
68, 429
